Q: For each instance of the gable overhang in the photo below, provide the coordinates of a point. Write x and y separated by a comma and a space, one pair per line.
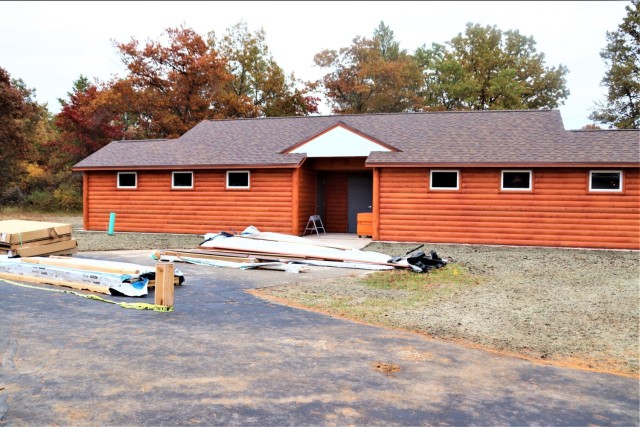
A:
339, 140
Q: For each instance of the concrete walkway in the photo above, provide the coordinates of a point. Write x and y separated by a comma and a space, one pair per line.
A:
225, 357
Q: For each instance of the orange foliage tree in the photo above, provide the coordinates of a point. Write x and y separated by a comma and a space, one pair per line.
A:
371, 76
258, 82
170, 88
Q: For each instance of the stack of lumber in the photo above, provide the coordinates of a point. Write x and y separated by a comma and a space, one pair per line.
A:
20, 238
253, 249
230, 259
266, 246
106, 277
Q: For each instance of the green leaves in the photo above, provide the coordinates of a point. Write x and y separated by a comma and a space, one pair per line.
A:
484, 68
257, 79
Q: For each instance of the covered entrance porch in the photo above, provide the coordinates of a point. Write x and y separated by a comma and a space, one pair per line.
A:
334, 182
343, 189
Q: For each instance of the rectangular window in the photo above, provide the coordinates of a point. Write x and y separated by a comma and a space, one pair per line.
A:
127, 180
182, 180
605, 181
238, 179
516, 180
444, 180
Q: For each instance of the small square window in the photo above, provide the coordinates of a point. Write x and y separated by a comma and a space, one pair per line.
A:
182, 180
444, 180
238, 179
605, 180
127, 180
516, 180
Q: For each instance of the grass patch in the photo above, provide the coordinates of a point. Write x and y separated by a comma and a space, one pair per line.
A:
27, 211
375, 298
451, 274
10, 212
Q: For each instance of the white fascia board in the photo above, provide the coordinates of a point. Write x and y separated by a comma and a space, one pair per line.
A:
339, 142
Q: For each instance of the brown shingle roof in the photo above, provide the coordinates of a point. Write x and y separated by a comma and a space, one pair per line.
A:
470, 137
608, 146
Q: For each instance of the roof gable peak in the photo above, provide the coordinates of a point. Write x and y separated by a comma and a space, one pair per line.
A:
339, 140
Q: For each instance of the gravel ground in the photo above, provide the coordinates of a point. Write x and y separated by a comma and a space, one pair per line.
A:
101, 241
565, 306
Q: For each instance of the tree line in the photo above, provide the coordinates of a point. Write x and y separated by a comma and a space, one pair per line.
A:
173, 83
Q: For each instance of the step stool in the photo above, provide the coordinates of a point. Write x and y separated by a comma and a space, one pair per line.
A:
312, 225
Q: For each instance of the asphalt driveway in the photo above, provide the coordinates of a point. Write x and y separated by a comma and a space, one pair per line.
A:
225, 357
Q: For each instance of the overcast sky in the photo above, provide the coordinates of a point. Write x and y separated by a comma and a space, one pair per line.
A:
49, 44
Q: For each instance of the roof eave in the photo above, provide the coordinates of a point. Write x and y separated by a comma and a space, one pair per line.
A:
502, 164
189, 167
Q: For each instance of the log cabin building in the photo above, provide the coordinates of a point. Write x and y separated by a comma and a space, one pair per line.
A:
477, 177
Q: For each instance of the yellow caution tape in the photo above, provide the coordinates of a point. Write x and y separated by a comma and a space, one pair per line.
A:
134, 305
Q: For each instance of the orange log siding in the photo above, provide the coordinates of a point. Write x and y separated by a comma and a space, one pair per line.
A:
335, 204
307, 195
341, 164
559, 211
209, 207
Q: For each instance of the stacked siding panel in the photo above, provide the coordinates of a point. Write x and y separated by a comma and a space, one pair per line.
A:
209, 207
560, 211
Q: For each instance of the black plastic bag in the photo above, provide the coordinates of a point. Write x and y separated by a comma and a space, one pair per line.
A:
421, 263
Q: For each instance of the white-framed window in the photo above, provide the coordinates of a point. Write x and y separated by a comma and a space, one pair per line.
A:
605, 180
238, 179
182, 180
518, 180
444, 180
127, 180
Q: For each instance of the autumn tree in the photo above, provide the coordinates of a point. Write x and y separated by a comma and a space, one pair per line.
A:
621, 109
13, 143
172, 86
33, 182
485, 68
84, 126
371, 76
25, 126
260, 85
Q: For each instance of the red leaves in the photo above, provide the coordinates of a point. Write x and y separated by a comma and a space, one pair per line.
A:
85, 125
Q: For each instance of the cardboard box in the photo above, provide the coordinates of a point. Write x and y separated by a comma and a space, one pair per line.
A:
16, 231
50, 249
33, 243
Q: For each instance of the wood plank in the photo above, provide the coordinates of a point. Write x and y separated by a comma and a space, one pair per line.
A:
191, 254
42, 280
164, 284
86, 264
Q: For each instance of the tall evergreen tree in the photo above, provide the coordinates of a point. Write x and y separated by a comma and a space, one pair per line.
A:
621, 109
